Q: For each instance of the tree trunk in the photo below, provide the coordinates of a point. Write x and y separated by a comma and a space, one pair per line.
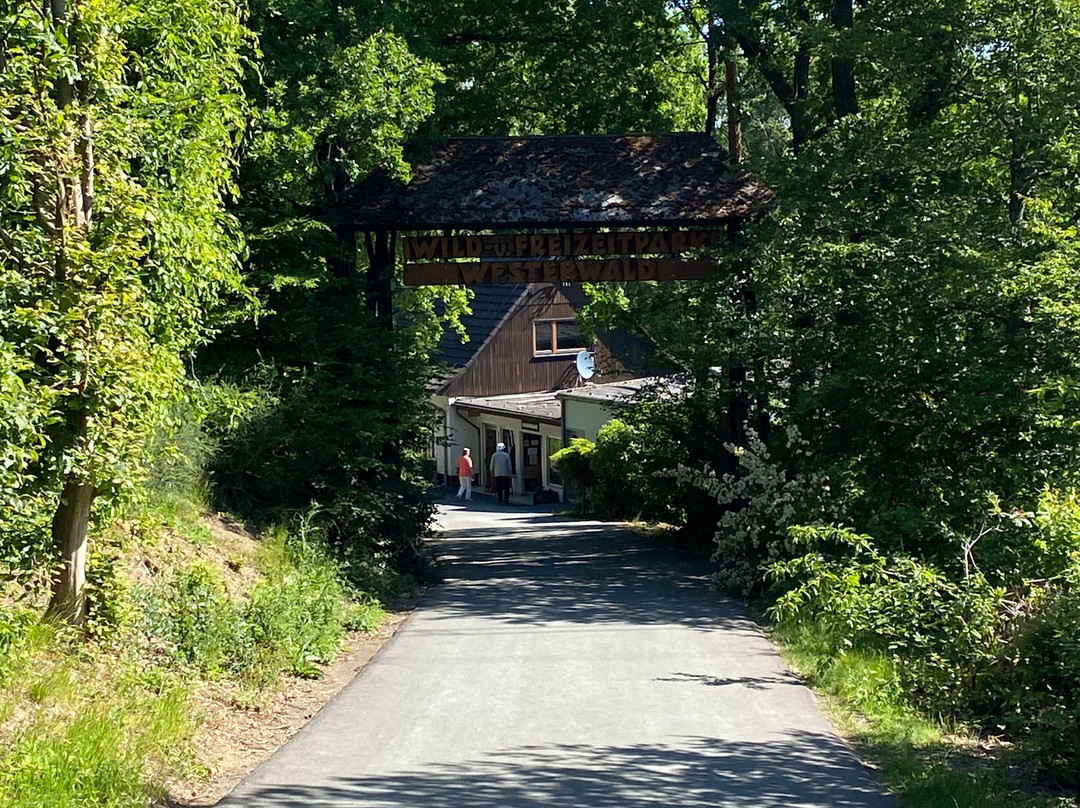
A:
69, 528
731, 69
66, 211
64, 89
845, 99
712, 82
801, 124
1020, 181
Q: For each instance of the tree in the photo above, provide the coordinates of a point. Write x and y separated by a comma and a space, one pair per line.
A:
115, 142
913, 286
343, 366
545, 67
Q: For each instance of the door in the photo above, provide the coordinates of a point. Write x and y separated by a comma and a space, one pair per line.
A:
532, 469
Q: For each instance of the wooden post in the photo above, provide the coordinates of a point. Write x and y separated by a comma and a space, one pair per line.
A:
382, 253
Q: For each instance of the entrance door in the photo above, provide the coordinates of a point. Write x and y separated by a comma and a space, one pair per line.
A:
532, 470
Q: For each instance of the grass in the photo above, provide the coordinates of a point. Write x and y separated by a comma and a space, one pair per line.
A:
921, 762
106, 722
80, 729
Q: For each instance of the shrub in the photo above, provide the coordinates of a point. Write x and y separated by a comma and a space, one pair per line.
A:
295, 615
946, 637
323, 434
293, 620
963, 649
628, 462
1044, 694
190, 617
760, 502
574, 462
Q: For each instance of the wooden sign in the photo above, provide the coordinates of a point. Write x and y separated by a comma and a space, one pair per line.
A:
564, 271
556, 245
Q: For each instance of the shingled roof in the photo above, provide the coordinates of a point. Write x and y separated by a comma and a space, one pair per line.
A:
681, 179
491, 304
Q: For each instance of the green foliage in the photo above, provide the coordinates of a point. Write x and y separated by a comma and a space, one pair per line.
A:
104, 718
116, 152
1052, 546
292, 621
947, 637
921, 764
615, 459
626, 463
345, 431
1007, 661
98, 320
107, 592
92, 732
342, 404
190, 614
574, 463
98, 760
542, 67
363, 614
297, 606
910, 289
1042, 701
19, 634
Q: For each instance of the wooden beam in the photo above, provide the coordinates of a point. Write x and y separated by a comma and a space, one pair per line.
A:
563, 271
557, 245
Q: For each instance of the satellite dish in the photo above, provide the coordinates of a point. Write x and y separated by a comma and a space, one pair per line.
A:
585, 365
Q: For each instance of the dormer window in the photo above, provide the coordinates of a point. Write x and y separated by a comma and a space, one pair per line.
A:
554, 337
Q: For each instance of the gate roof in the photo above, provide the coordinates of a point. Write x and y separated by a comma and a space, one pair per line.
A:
488, 183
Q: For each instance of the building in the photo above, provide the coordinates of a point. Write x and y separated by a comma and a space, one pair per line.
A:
514, 377
525, 221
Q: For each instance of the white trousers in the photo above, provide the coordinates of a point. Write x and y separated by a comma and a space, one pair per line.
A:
465, 491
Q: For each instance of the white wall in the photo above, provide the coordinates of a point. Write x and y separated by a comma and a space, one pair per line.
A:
455, 432
585, 417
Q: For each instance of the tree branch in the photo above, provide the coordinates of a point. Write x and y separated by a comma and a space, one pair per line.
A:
468, 37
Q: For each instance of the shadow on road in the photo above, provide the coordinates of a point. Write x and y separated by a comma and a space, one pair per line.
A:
806, 769
530, 568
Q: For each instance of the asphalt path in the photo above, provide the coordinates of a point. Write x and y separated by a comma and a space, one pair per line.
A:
566, 663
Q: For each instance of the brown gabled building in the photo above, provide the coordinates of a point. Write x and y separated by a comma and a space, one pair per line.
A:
501, 385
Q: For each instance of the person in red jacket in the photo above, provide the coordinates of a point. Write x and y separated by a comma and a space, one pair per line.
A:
464, 473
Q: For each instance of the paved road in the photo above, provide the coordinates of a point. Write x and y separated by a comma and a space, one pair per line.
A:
562, 664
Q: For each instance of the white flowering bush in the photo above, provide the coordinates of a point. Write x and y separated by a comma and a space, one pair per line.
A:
759, 504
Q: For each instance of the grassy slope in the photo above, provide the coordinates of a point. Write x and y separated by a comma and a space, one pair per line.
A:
191, 601
923, 763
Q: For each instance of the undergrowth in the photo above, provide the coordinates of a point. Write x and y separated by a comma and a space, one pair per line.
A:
925, 763
84, 726
103, 719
